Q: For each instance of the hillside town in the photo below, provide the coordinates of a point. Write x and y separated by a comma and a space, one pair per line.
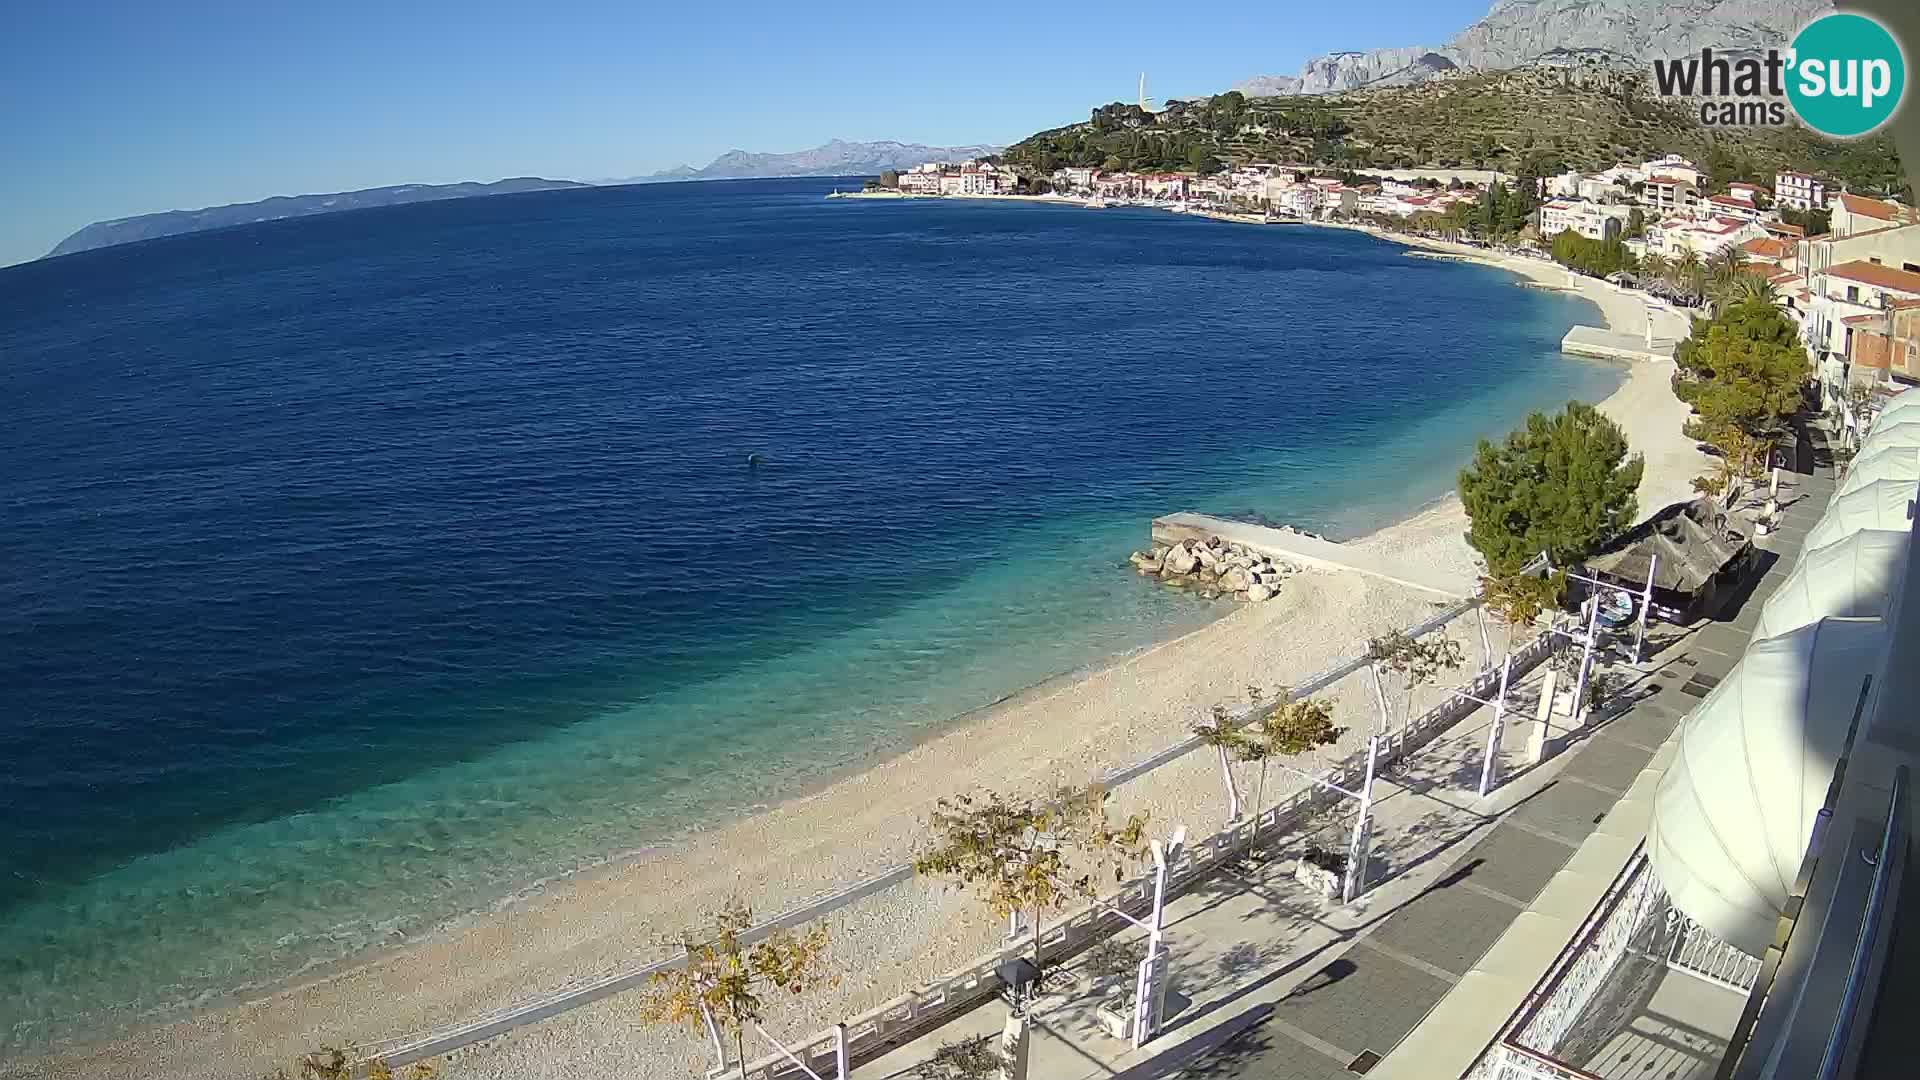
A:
1846, 267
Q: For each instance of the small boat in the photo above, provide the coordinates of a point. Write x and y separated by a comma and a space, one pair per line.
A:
1096, 203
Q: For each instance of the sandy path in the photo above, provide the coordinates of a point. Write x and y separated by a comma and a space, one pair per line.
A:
1065, 733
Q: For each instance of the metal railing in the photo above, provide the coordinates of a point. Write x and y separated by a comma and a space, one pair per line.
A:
407, 1049
911, 1016
1888, 865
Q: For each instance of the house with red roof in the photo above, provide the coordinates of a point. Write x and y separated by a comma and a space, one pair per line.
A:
1851, 214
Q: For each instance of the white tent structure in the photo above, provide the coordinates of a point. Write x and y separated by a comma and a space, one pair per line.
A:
1879, 505
1902, 430
1733, 814
1853, 577
1905, 404
1882, 463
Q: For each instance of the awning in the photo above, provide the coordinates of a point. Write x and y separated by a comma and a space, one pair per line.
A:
1733, 815
1853, 577
1880, 505
1885, 463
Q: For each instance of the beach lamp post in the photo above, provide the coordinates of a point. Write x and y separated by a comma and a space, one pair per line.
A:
1361, 841
1150, 984
1488, 766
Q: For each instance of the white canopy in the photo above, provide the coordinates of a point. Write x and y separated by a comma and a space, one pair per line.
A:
1879, 505
1906, 403
1853, 577
1884, 463
1902, 430
1726, 853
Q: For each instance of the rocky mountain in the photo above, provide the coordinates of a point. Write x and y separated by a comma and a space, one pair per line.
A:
835, 158
175, 222
1520, 32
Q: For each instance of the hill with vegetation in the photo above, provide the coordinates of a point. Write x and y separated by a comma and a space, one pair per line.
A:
1585, 115
176, 222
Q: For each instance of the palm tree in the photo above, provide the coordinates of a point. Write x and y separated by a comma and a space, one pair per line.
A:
1747, 287
1689, 277
1724, 265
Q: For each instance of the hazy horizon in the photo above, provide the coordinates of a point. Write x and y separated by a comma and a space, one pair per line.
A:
117, 109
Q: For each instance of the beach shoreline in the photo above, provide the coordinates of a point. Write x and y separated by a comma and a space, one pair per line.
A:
1067, 728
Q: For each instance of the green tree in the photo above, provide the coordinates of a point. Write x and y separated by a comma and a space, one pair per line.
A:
724, 981
1021, 853
1562, 484
1203, 161
1636, 223
1742, 372
889, 178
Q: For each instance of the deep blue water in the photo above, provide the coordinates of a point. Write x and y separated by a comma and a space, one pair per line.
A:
358, 569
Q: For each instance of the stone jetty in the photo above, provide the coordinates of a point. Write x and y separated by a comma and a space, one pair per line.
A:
1214, 568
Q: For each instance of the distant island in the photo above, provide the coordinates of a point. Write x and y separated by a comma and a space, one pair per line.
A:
175, 222
835, 158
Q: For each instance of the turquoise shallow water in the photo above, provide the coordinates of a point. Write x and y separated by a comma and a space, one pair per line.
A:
362, 569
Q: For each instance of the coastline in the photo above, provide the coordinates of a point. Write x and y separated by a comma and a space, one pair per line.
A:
1064, 728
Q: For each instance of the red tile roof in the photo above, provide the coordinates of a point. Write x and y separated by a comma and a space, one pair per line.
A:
1766, 247
1874, 208
1861, 320
1883, 277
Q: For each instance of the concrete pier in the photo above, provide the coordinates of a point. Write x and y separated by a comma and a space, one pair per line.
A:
1613, 345
1297, 548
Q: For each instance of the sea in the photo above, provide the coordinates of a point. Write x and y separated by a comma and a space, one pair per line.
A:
357, 571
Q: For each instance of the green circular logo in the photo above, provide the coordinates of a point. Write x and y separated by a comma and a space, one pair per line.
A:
1846, 75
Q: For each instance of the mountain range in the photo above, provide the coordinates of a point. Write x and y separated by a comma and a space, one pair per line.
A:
1516, 33
835, 158
174, 222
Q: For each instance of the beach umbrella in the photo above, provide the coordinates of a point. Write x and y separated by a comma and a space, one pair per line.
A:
1853, 577
1733, 813
1898, 431
1882, 504
1885, 463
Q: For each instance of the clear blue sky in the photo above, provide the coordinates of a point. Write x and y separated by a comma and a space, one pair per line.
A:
111, 109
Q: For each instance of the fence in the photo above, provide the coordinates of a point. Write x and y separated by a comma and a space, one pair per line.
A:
943, 998
913, 1015
1538, 1033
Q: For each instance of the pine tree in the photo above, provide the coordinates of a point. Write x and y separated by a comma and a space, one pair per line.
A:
1562, 484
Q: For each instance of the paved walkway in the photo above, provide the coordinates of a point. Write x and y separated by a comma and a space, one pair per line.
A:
1364, 1002
1271, 984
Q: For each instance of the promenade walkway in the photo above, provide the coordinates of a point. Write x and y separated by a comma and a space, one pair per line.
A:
1271, 984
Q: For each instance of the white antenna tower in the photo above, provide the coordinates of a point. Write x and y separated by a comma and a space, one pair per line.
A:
1146, 103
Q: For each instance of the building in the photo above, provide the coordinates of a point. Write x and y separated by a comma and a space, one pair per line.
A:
1800, 191
1673, 165
1780, 230
1591, 220
1771, 251
1751, 194
1885, 346
1675, 237
1840, 294
1851, 214
1669, 194
1728, 206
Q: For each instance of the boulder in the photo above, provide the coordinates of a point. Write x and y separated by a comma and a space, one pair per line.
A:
1258, 593
1140, 558
1209, 557
1150, 567
1181, 559
1235, 579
